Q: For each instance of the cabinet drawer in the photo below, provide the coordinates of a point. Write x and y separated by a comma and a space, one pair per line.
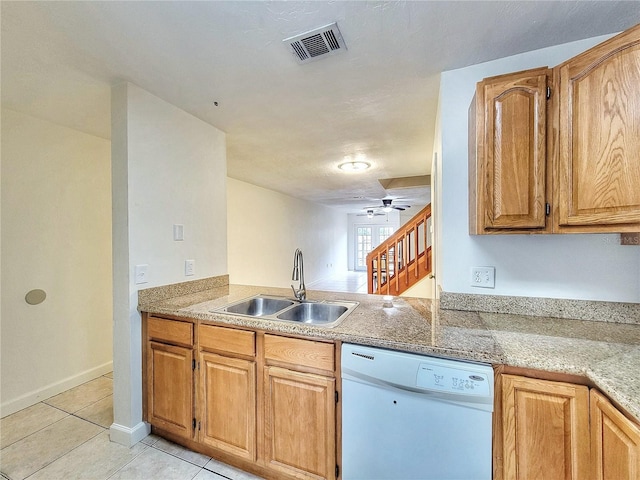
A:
295, 351
170, 331
229, 340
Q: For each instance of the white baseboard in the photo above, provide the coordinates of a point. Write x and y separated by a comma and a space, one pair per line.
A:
31, 398
129, 436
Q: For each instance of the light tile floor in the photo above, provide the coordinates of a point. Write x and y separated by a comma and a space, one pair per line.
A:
67, 437
349, 281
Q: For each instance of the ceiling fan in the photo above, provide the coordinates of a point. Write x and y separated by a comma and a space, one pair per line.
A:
370, 213
387, 207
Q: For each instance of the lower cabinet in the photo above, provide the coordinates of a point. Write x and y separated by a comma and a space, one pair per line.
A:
169, 373
545, 429
171, 398
300, 422
557, 430
228, 404
615, 442
266, 403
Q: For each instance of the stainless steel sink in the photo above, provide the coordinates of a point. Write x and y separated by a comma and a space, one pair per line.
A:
322, 313
316, 313
259, 306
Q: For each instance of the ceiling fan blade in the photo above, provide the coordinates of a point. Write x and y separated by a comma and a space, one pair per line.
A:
387, 205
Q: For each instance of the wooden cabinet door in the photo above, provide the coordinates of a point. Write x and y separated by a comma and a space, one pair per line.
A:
510, 167
545, 429
170, 388
615, 442
228, 402
300, 419
598, 166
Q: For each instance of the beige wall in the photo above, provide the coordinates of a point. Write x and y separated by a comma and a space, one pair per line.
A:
264, 229
56, 236
422, 289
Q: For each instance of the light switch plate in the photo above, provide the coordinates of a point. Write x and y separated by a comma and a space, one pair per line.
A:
140, 273
178, 232
484, 277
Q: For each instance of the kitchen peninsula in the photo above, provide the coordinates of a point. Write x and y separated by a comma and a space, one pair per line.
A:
602, 355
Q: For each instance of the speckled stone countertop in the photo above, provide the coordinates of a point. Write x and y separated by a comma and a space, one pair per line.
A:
608, 354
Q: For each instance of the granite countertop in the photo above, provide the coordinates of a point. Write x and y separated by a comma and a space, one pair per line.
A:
606, 353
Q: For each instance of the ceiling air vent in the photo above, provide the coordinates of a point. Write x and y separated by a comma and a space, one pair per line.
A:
315, 44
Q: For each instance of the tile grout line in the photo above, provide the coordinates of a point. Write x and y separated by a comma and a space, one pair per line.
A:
88, 421
146, 447
77, 386
64, 454
39, 430
72, 413
180, 458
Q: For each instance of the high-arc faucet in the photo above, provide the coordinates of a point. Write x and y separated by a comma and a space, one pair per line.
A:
298, 274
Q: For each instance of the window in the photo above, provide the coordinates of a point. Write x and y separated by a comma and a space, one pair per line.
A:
369, 237
383, 234
364, 236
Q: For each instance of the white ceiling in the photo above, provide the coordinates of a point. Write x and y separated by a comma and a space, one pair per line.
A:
288, 125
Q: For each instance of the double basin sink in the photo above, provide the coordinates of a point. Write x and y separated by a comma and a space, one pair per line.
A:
322, 313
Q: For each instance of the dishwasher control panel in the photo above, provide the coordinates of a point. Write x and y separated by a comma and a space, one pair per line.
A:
453, 380
444, 379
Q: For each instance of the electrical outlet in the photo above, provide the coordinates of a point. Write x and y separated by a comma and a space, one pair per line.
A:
484, 277
189, 268
140, 273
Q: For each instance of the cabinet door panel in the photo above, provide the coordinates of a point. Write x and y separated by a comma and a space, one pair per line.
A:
615, 442
545, 429
599, 171
170, 395
229, 404
516, 152
508, 173
300, 423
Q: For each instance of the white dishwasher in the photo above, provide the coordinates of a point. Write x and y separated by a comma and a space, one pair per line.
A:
413, 417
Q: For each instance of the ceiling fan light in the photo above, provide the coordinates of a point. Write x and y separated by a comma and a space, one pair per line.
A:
387, 209
354, 166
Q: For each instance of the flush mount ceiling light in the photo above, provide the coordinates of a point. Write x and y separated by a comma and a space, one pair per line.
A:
355, 166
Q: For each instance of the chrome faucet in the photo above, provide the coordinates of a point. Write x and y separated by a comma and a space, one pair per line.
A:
298, 274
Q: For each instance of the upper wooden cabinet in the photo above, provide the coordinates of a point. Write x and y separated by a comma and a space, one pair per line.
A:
508, 153
599, 154
567, 163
